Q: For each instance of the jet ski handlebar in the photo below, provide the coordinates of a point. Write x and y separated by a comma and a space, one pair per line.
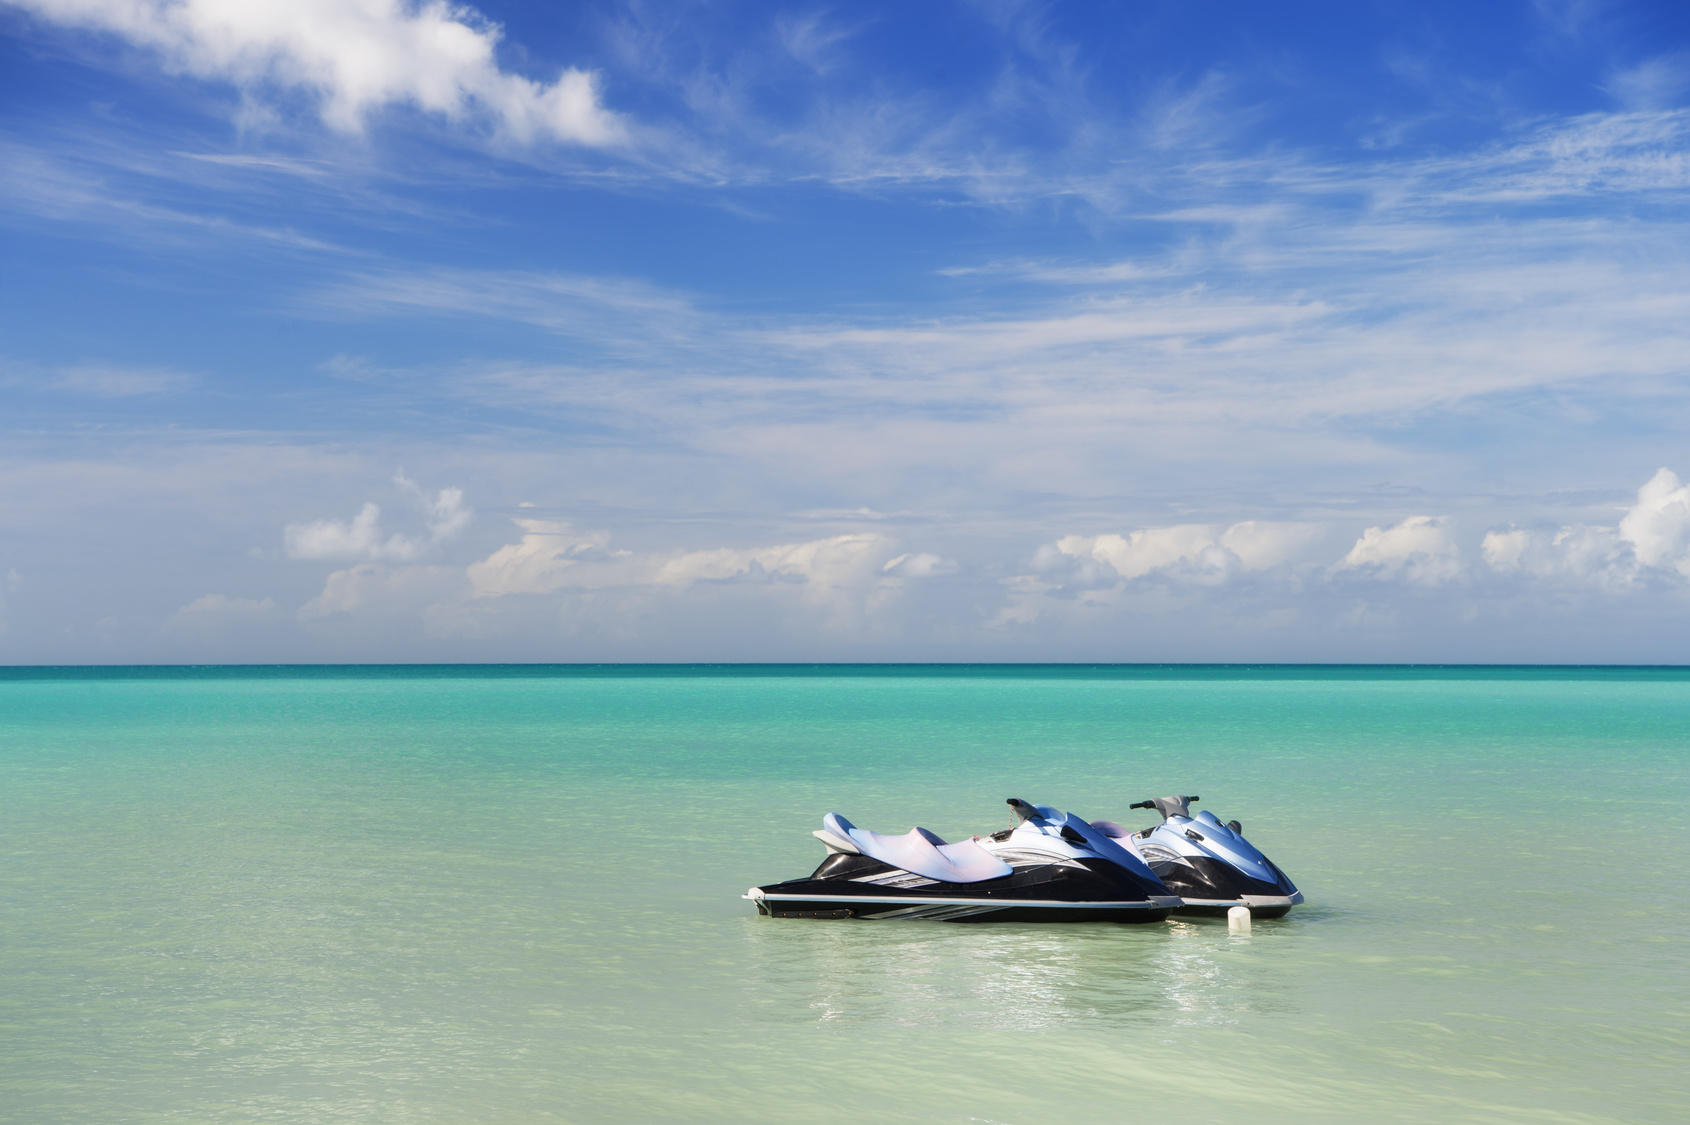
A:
1169, 806
1023, 811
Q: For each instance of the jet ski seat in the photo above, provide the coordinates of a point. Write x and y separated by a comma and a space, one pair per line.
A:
922, 853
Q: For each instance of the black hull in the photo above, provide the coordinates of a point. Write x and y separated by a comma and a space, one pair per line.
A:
858, 887
1199, 878
1194, 910
950, 910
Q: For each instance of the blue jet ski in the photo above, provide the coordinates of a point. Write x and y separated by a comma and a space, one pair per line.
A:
1210, 865
1051, 867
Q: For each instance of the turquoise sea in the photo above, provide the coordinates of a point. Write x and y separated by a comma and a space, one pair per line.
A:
510, 894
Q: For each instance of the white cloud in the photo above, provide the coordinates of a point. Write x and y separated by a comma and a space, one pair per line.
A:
1204, 365
564, 302
1200, 552
1653, 535
1505, 551
1658, 525
355, 57
550, 556
1260, 544
363, 537
446, 512
841, 584
1594, 154
1653, 84
852, 514
1570, 552
223, 606
923, 565
1420, 550
1161, 570
1154, 569
374, 589
826, 567
553, 556
1140, 552
86, 183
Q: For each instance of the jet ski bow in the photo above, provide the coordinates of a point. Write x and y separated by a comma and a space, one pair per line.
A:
1210, 865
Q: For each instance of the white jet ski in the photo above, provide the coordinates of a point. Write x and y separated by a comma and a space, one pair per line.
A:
1051, 867
1210, 865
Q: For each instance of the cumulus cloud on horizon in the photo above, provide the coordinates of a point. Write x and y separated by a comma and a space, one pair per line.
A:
1122, 572
1652, 538
1653, 535
1201, 552
553, 556
846, 584
1252, 589
1420, 550
845, 580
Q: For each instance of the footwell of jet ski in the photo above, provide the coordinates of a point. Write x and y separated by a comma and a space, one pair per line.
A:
1051, 867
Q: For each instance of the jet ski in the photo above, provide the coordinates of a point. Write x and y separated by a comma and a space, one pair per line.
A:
1210, 865
1050, 867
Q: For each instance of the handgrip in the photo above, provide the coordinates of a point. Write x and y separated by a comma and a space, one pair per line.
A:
1143, 805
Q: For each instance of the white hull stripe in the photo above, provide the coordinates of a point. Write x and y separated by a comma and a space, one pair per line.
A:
933, 913
993, 903
1248, 900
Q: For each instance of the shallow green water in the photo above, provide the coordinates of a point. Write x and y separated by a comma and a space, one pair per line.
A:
453, 895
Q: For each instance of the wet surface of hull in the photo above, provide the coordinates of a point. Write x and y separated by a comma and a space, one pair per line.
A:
1260, 907
1208, 889
916, 908
858, 887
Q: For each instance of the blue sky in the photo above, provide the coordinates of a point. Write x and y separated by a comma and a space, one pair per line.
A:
373, 330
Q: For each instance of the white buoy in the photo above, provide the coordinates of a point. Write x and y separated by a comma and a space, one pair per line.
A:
1238, 920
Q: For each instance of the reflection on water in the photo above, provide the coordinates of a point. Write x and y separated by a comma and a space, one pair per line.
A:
1179, 973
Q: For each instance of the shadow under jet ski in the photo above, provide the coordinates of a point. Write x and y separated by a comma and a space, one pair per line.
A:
1051, 867
1210, 865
